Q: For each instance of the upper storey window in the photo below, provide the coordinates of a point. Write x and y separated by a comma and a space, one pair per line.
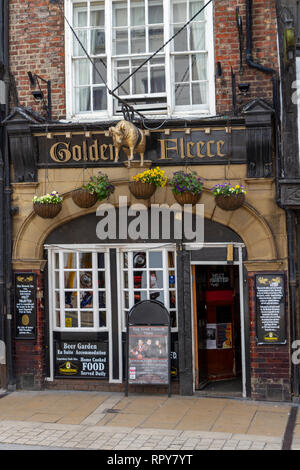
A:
119, 36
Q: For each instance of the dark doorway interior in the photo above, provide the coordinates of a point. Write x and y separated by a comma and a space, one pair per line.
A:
217, 333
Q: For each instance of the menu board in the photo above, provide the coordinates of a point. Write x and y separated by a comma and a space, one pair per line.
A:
148, 355
270, 308
88, 359
25, 305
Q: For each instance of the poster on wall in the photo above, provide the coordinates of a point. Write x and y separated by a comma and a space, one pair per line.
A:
86, 359
211, 336
25, 305
270, 308
224, 336
148, 358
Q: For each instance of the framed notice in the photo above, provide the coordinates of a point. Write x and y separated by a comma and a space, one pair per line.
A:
270, 308
25, 305
84, 359
148, 355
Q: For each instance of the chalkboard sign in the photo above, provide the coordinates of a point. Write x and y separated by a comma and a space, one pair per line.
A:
270, 308
86, 359
148, 345
25, 305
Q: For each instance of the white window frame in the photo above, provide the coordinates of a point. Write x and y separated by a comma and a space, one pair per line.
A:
165, 270
171, 112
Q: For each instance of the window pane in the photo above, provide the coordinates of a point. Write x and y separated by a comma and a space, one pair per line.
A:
197, 37
172, 299
158, 80
70, 260
182, 94
120, 43
180, 41
125, 260
57, 318
139, 296
156, 38
172, 279
125, 280
77, 49
85, 260
199, 67
120, 13
86, 319
121, 76
137, 12
140, 279
102, 318
82, 72
102, 299
156, 279
71, 319
56, 260
138, 41
182, 73
97, 14
199, 93
97, 42
155, 259
101, 67
86, 279
101, 261
86, 299
56, 279
83, 102
99, 99
155, 12
173, 319
57, 300
195, 6
157, 295
71, 299
179, 12
80, 15
171, 257
101, 280
139, 260
70, 280
126, 300
140, 81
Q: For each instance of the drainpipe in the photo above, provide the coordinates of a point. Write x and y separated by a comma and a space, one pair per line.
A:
2, 116
289, 214
7, 213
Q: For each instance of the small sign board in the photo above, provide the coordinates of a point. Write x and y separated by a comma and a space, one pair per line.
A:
148, 345
270, 308
84, 359
25, 305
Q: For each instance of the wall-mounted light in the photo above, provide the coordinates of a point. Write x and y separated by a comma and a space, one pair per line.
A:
289, 45
39, 95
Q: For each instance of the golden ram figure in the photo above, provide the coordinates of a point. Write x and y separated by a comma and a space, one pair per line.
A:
129, 138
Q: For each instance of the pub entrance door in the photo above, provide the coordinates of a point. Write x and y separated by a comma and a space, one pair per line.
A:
218, 365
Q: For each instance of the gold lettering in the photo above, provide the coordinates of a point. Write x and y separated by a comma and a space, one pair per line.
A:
60, 155
164, 148
209, 144
103, 148
220, 144
93, 151
182, 148
111, 152
84, 150
200, 146
76, 153
188, 149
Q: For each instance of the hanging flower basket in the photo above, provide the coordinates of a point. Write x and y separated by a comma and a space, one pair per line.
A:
187, 198
47, 206
144, 184
84, 198
142, 190
186, 187
97, 189
229, 198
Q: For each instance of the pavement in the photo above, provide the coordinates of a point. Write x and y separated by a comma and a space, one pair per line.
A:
69, 420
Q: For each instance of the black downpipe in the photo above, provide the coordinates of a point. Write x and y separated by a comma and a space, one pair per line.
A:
7, 213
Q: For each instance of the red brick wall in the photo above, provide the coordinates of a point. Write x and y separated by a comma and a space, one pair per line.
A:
37, 44
270, 365
30, 354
